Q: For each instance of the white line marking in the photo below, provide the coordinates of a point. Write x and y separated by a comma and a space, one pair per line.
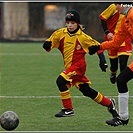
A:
38, 97
43, 97
28, 54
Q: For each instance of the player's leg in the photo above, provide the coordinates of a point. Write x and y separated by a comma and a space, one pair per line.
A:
123, 59
122, 80
123, 96
64, 82
67, 109
113, 69
99, 98
124, 51
113, 65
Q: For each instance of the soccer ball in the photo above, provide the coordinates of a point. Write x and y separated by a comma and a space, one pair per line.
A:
9, 120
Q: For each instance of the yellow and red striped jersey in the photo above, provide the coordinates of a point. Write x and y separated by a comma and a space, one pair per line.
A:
112, 17
72, 46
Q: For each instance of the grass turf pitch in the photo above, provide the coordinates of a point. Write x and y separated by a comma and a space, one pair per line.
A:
27, 86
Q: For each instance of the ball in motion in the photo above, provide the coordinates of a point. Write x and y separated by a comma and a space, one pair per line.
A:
9, 120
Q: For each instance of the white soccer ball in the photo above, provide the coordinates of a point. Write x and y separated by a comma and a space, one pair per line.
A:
9, 120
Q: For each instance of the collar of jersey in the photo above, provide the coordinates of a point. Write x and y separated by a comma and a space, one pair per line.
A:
78, 32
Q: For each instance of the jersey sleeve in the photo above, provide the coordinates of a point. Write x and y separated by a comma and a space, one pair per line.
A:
88, 41
55, 39
108, 12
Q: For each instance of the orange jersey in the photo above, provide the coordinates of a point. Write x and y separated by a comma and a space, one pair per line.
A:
125, 29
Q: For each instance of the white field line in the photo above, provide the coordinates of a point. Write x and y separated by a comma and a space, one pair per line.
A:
43, 97
27, 54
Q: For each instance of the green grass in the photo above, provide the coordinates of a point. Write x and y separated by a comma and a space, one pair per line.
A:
28, 76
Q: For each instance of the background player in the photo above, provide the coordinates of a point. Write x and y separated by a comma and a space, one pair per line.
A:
125, 29
110, 21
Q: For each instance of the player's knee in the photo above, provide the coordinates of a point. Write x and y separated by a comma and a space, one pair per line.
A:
121, 84
61, 83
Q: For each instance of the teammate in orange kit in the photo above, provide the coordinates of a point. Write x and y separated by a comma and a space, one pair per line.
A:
73, 43
125, 29
110, 21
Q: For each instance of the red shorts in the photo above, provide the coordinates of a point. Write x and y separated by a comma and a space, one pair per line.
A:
75, 74
124, 49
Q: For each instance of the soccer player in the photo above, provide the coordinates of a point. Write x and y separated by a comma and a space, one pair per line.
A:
125, 29
110, 21
73, 43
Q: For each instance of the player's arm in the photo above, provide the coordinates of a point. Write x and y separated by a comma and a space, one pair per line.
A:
118, 39
105, 29
104, 16
102, 60
106, 45
104, 26
52, 41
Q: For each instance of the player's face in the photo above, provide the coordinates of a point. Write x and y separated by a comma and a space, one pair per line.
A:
71, 25
120, 7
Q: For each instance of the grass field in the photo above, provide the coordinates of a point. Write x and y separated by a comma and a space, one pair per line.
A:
28, 87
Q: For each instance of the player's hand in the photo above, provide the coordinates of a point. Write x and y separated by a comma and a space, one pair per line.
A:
47, 45
93, 49
110, 36
103, 66
102, 62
